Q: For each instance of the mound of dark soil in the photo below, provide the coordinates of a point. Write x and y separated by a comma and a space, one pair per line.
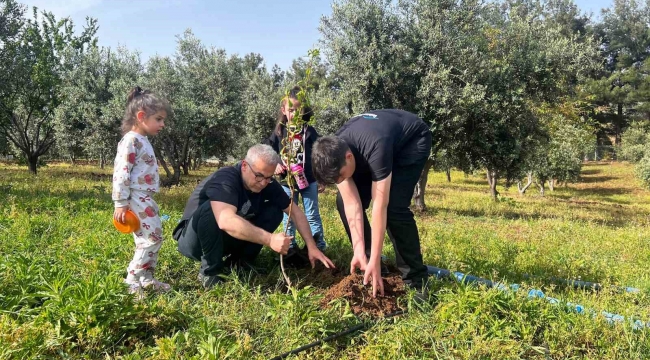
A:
351, 288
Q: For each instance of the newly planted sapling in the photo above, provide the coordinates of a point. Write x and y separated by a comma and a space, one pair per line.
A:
289, 149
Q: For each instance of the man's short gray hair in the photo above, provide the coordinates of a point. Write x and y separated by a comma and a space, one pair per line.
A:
264, 153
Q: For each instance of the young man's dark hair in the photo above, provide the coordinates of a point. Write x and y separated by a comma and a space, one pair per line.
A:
328, 157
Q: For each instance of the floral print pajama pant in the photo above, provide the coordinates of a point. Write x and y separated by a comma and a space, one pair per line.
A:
148, 239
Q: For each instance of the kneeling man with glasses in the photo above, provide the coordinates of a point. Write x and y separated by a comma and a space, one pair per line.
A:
233, 212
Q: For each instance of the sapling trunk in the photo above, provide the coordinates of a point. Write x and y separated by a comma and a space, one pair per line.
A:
287, 152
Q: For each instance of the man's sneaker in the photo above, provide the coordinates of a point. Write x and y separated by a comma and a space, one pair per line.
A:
244, 265
208, 281
296, 258
292, 247
421, 295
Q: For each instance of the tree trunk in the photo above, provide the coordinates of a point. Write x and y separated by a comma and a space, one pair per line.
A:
196, 160
199, 159
102, 161
448, 172
541, 187
176, 176
173, 178
163, 163
33, 163
618, 126
492, 180
522, 189
551, 184
185, 157
420, 187
175, 160
73, 161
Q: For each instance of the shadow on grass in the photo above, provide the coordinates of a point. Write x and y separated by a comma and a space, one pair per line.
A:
615, 215
599, 191
596, 179
462, 188
572, 199
40, 200
470, 181
97, 192
590, 171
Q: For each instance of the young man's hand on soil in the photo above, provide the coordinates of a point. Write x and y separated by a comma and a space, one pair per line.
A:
358, 261
373, 273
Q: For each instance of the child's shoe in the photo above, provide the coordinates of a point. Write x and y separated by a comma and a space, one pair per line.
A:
135, 289
158, 286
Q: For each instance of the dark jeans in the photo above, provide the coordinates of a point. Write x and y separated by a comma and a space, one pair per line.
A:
203, 240
400, 224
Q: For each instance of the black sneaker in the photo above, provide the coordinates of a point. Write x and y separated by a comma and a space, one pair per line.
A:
244, 265
208, 281
297, 258
421, 295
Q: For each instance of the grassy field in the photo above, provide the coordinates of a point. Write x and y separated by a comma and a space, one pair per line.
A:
62, 265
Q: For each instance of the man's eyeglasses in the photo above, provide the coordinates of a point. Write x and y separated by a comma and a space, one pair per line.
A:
260, 177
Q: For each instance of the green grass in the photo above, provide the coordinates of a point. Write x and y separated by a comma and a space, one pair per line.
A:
62, 263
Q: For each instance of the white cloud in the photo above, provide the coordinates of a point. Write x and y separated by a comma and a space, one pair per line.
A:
62, 8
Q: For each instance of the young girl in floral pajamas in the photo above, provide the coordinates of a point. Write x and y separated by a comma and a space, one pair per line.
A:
135, 180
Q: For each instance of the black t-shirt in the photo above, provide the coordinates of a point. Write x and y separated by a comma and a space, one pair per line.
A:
303, 147
226, 185
380, 139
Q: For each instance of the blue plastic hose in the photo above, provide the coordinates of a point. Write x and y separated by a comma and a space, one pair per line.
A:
536, 293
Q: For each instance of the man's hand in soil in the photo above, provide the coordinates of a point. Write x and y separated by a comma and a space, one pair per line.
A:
280, 243
358, 261
315, 254
373, 273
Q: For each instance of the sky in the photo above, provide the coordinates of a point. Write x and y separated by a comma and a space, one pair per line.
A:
279, 30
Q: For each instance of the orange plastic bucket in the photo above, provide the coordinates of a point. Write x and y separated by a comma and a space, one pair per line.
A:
131, 223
